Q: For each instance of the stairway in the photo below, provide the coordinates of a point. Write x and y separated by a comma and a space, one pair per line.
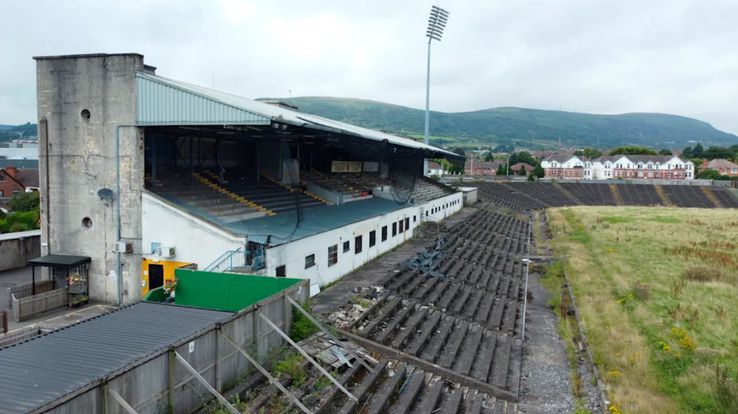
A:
712, 197
662, 195
616, 195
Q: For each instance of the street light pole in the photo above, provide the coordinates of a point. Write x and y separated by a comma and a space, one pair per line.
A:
436, 23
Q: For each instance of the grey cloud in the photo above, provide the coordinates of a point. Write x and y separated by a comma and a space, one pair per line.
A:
603, 56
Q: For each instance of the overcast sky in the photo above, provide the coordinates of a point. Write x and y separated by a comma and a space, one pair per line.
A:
602, 56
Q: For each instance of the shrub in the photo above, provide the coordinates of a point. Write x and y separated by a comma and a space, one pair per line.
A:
642, 290
292, 365
703, 273
302, 327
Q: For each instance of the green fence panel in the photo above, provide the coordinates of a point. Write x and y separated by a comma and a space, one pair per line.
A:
225, 291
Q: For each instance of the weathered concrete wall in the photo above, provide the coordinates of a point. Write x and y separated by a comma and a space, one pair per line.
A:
16, 249
78, 158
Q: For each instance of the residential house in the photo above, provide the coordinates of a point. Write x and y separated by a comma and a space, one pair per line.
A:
13, 180
723, 166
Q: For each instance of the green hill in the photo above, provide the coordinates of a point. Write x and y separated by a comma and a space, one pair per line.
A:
9, 132
533, 128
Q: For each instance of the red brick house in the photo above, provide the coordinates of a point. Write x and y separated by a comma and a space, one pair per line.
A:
515, 169
724, 167
13, 180
478, 167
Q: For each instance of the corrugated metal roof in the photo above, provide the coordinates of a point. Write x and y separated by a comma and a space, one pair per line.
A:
41, 370
163, 101
160, 102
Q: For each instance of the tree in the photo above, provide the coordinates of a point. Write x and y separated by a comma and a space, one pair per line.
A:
538, 171
588, 153
698, 151
522, 156
632, 151
502, 169
458, 150
24, 202
665, 152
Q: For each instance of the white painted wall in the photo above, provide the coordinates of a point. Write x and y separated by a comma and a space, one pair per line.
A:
194, 239
293, 254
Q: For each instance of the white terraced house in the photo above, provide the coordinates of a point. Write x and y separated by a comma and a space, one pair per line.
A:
563, 166
659, 167
571, 167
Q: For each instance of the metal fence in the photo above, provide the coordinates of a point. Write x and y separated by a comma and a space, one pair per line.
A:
159, 383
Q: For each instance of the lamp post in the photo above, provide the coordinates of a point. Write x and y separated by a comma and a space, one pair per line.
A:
436, 23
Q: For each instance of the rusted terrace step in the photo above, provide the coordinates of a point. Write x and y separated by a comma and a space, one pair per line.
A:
394, 322
429, 399
485, 353
438, 339
408, 393
386, 310
453, 344
361, 389
409, 327
468, 351
381, 398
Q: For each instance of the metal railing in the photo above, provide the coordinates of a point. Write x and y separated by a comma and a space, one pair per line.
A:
238, 260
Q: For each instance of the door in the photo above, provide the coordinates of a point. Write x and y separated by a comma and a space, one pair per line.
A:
156, 276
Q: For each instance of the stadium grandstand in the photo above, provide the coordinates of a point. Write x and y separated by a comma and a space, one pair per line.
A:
186, 176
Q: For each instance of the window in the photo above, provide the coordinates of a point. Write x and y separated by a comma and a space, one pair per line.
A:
402, 229
407, 223
357, 245
309, 261
332, 255
372, 238
346, 246
281, 271
394, 229
415, 219
384, 233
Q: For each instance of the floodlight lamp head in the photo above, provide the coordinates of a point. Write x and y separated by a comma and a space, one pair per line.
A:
436, 23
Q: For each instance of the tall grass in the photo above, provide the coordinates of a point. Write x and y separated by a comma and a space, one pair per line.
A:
657, 292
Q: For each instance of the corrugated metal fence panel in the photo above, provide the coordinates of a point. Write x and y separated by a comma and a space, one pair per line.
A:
160, 103
43, 369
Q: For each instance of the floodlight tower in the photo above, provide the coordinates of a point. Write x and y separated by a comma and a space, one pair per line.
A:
436, 23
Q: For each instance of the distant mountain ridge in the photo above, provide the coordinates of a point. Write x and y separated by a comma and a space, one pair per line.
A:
535, 127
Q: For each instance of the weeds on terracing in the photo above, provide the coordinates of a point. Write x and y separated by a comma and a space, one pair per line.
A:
302, 327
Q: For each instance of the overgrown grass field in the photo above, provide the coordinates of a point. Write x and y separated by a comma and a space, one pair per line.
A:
657, 292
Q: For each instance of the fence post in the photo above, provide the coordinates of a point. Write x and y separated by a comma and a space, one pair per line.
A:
171, 380
5, 321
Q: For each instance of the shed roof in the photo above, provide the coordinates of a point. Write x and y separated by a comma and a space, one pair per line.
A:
163, 101
59, 260
37, 372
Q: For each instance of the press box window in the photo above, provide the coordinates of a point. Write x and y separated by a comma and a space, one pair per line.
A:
407, 223
346, 246
384, 233
372, 238
309, 261
357, 244
281, 271
332, 255
394, 229
402, 228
